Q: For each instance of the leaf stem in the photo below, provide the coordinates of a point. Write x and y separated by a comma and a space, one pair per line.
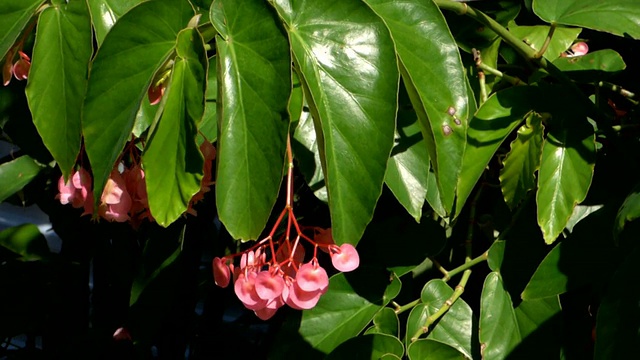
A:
513, 80
540, 52
399, 309
618, 89
467, 265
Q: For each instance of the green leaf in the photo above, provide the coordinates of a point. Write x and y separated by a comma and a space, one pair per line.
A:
496, 255
58, 78
566, 170
593, 66
172, 160
137, 45
385, 322
254, 86
619, 17
349, 305
577, 260
536, 36
629, 211
431, 349
408, 167
14, 17
350, 78
25, 240
499, 332
371, 346
208, 126
436, 82
105, 13
494, 121
305, 150
540, 322
517, 176
454, 328
15, 174
618, 320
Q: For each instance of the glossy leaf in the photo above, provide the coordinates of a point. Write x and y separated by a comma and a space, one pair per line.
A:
105, 13
431, 349
408, 167
349, 305
15, 174
618, 320
455, 328
140, 43
172, 160
58, 78
576, 261
254, 86
619, 17
593, 66
436, 83
566, 169
305, 150
385, 322
370, 346
26, 241
532, 314
499, 332
540, 322
14, 17
208, 125
535, 36
494, 121
349, 74
517, 177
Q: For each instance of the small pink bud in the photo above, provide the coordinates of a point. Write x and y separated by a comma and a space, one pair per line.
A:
221, 272
345, 258
155, 94
22, 66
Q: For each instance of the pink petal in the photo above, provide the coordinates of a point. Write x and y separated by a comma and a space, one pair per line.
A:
155, 94
221, 272
245, 289
21, 67
268, 285
345, 258
300, 299
312, 277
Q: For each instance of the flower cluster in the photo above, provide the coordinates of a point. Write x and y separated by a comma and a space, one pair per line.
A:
19, 69
124, 197
273, 273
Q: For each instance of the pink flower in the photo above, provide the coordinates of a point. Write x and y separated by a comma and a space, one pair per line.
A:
312, 277
221, 272
345, 258
269, 285
300, 299
77, 191
245, 289
19, 69
116, 201
577, 49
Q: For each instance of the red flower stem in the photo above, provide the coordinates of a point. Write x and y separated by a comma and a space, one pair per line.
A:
289, 204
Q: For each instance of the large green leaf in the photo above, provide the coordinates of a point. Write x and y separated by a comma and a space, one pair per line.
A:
431, 349
566, 169
619, 17
137, 45
494, 121
105, 13
208, 125
254, 86
540, 322
436, 81
408, 167
305, 150
618, 320
593, 66
517, 177
454, 328
14, 17
371, 346
535, 36
15, 174
172, 160
499, 332
580, 259
349, 73
349, 305
385, 322
58, 78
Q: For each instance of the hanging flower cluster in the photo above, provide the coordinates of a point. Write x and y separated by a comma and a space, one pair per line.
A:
124, 198
273, 272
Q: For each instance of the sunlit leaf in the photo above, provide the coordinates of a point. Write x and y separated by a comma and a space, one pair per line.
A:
566, 169
254, 82
349, 74
105, 13
619, 17
536, 36
58, 78
593, 66
14, 17
172, 160
140, 43
436, 84
385, 322
499, 332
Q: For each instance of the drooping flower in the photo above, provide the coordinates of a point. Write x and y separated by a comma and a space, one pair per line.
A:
577, 49
21, 67
312, 277
345, 258
116, 201
221, 272
77, 191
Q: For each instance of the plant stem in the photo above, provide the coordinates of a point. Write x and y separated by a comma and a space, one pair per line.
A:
619, 90
467, 265
402, 308
552, 29
513, 80
439, 267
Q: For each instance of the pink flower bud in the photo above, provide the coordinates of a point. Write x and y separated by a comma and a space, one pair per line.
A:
221, 272
22, 66
345, 258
